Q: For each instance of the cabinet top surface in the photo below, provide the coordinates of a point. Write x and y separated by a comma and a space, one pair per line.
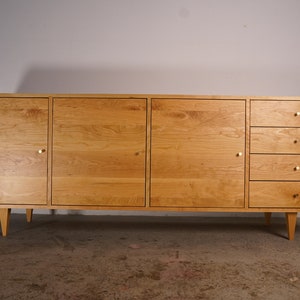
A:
152, 96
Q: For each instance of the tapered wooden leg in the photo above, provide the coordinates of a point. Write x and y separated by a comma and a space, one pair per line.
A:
29, 215
268, 216
4, 215
291, 220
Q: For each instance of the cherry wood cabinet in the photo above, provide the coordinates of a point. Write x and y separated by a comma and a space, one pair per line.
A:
151, 153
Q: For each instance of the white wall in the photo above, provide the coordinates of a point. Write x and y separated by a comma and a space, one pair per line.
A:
236, 47
239, 47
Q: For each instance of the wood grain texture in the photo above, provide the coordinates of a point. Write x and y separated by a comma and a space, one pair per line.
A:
99, 148
4, 218
195, 146
291, 222
23, 131
274, 167
275, 113
274, 194
275, 140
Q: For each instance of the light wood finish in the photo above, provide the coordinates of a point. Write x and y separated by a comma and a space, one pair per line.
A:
148, 154
5, 216
275, 135
29, 215
274, 167
274, 194
23, 170
275, 140
276, 113
151, 153
291, 221
99, 148
195, 150
50, 148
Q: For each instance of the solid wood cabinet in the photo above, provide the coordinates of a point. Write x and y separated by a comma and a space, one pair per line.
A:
150, 152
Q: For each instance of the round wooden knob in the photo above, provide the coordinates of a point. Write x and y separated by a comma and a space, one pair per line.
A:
40, 151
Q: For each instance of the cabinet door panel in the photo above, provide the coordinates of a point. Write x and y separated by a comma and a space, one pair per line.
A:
23, 131
194, 156
99, 148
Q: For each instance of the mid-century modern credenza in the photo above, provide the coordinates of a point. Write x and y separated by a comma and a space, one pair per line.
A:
150, 152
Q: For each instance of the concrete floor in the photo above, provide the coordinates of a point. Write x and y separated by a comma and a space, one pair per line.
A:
96, 257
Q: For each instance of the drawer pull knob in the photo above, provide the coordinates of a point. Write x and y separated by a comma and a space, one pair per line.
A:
295, 141
239, 154
296, 195
297, 168
297, 114
40, 151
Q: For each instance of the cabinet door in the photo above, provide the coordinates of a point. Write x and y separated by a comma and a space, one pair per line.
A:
23, 150
197, 156
99, 152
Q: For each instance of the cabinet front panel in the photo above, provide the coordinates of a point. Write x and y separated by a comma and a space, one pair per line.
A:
99, 152
197, 156
275, 113
274, 167
23, 134
275, 140
274, 194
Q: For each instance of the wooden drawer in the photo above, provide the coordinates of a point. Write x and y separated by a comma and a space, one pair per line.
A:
275, 140
274, 167
275, 113
274, 194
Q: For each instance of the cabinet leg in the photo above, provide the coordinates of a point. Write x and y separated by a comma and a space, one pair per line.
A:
29, 215
4, 215
291, 220
268, 216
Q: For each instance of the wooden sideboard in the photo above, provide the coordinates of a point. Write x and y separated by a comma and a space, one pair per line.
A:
150, 152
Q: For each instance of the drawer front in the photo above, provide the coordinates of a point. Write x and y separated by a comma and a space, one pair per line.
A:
275, 140
274, 194
275, 113
274, 167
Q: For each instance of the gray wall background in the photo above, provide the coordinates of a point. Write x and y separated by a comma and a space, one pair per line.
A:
232, 47
236, 47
